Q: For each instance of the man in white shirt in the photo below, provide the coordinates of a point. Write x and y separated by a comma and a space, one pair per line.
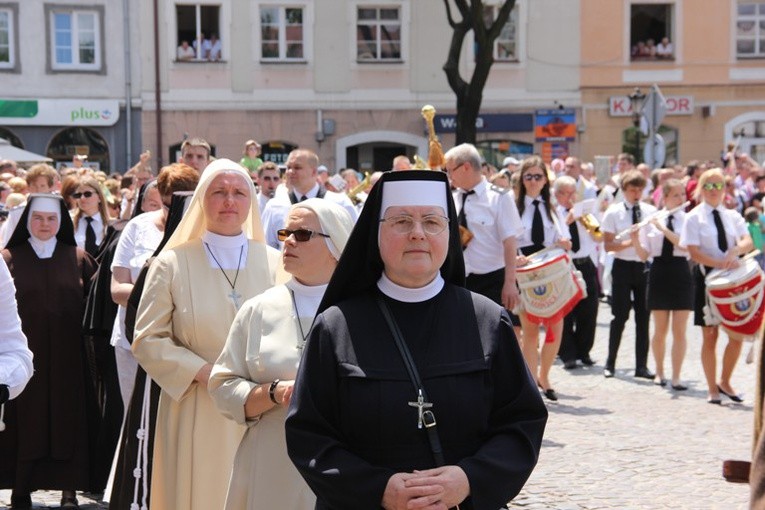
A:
302, 180
629, 279
584, 188
489, 213
268, 180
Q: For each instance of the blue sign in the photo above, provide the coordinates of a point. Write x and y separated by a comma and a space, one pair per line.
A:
489, 123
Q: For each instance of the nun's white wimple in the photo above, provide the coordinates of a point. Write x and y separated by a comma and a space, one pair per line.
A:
413, 193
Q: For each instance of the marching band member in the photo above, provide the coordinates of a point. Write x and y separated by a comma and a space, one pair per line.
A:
628, 273
540, 230
670, 283
579, 325
715, 237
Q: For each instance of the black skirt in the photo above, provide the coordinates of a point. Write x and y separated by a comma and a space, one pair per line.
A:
670, 284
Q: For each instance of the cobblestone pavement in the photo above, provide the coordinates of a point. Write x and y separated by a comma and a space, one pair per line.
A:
624, 443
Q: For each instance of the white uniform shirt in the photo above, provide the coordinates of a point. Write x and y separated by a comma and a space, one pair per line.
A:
138, 241
618, 217
15, 357
98, 227
585, 189
652, 239
552, 229
275, 212
700, 230
587, 245
492, 217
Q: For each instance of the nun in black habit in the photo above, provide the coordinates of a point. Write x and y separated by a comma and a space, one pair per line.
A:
360, 426
46, 443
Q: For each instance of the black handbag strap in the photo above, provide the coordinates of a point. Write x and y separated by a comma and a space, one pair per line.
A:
427, 418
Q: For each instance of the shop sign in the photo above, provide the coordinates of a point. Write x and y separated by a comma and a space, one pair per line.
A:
619, 106
555, 125
488, 123
59, 112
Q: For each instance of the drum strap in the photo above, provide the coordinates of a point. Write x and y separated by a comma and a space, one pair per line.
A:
426, 416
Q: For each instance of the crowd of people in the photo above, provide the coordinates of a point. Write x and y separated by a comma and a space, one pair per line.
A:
223, 334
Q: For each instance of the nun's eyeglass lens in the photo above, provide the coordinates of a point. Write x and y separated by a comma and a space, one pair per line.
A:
301, 235
431, 224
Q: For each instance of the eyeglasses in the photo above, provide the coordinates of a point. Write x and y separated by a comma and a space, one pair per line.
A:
431, 224
455, 168
533, 177
86, 194
301, 235
709, 186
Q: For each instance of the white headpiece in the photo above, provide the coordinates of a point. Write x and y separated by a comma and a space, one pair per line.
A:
413, 193
47, 205
334, 220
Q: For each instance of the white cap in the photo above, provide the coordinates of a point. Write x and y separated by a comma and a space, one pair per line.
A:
510, 161
322, 168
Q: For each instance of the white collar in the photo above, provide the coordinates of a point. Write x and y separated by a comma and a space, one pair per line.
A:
43, 249
311, 193
306, 290
530, 201
224, 242
407, 295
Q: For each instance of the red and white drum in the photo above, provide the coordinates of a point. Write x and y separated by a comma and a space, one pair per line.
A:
735, 298
550, 286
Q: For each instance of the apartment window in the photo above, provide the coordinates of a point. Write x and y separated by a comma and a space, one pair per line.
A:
651, 27
378, 34
7, 41
750, 30
506, 45
282, 33
198, 32
76, 39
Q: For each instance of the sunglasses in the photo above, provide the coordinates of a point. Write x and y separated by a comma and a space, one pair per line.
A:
534, 177
301, 235
713, 185
86, 194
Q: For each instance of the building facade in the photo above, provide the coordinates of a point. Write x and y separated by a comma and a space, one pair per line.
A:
65, 86
345, 79
706, 56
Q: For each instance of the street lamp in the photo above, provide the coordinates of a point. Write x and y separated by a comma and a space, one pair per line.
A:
636, 102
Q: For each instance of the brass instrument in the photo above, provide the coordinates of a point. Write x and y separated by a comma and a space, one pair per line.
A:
353, 192
660, 215
592, 226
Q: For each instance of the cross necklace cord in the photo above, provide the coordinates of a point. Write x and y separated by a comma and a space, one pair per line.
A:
234, 296
301, 343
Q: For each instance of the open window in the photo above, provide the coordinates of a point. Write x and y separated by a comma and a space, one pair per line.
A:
198, 32
651, 31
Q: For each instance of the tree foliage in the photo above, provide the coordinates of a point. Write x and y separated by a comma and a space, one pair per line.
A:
470, 93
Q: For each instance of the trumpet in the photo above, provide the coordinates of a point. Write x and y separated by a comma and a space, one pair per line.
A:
353, 192
592, 225
660, 215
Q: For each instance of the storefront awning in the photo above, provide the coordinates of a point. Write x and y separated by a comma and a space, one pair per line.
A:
8, 151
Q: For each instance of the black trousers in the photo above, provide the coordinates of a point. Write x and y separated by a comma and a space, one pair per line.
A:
579, 325
630, 280
488, 284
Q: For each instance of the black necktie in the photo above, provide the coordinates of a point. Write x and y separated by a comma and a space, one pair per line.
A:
636, 213
667, 249
574, 232
722, 241
90, 237
537, 227
303, 198
462, 218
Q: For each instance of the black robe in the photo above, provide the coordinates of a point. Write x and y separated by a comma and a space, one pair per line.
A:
45, 445
350, 427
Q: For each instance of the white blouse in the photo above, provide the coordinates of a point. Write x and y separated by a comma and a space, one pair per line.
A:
553, 232
229, 251
700, 230
652, 239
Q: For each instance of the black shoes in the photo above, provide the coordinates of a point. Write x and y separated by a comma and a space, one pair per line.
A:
679, 387
608, 372
570, 364
22, 501
587, 361
644, 373
550, 395
735, 398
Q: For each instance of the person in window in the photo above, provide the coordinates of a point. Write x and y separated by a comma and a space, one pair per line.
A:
202, 46
46, 443
355, 425
185, 52
273, 327
214, 53
664, 49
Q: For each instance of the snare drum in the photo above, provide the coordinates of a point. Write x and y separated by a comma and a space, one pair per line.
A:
550, 286
735, 297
